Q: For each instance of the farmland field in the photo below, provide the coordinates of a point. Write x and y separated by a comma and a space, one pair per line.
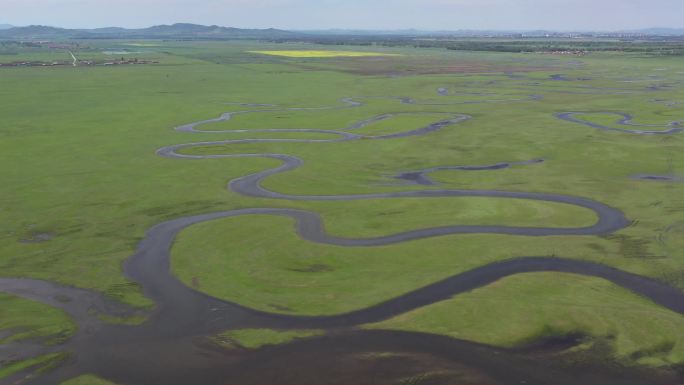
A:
325, 53
239, 209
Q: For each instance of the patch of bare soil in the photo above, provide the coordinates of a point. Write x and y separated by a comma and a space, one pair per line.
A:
37, 238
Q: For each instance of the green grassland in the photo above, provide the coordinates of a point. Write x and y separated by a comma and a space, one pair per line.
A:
256, 338
78, 145
523, 309
320, 53
41, 363
87, 380
31, 320
321, 279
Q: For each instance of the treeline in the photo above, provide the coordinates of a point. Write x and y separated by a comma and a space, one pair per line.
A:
10, 47
673, 46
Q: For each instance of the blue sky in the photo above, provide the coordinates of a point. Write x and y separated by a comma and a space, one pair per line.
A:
362, 14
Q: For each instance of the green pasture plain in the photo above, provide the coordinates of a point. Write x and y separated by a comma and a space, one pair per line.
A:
527, 308
78, 145
87, 380
257, 338
24, 319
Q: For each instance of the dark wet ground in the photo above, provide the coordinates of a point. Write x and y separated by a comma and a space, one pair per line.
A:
660, 178
421, 177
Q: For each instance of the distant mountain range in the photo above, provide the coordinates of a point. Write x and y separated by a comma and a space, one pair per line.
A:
195, 31
494, 33
175, 31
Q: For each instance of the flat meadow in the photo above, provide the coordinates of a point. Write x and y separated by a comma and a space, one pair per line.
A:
81, 184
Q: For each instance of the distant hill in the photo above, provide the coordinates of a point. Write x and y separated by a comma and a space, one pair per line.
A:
199, 32
184, 30
33, 31
175, 31
107, 30
465, 33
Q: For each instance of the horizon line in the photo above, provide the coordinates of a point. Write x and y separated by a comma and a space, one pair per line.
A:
414, 29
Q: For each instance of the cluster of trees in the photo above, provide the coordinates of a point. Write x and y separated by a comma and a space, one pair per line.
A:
11, 47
